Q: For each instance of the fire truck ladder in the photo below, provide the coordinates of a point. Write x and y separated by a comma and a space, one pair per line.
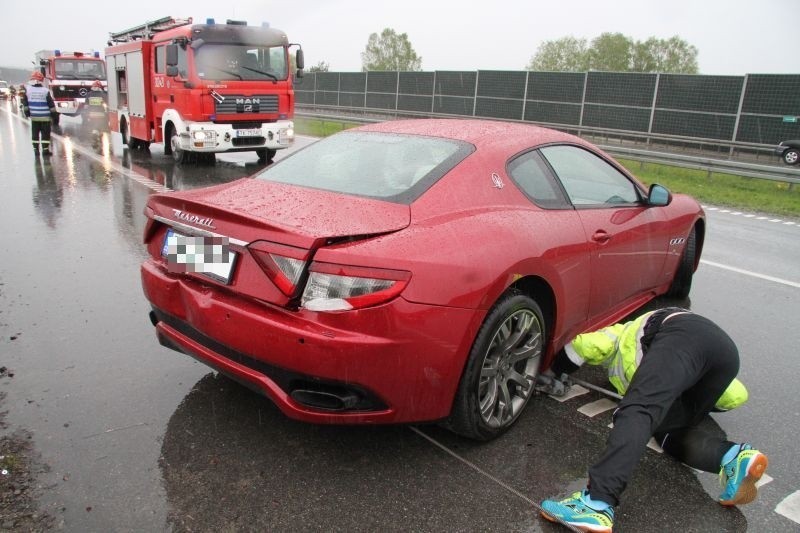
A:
147, 30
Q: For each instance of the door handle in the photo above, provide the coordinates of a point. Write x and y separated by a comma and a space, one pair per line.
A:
601, 237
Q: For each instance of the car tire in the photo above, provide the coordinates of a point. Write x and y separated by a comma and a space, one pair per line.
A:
682, 282
791, 156
500, 373
178, 155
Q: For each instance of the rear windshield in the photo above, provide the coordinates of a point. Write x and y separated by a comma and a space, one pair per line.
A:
393, 167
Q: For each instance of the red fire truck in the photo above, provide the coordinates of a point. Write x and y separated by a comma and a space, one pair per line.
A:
202, 88
69, 78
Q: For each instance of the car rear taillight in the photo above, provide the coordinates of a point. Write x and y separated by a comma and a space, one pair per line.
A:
333, 287
283, 264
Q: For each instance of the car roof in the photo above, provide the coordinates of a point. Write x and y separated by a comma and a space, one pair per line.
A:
509, 137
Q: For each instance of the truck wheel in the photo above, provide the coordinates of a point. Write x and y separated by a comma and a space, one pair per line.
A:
123, 130
501, 370
178, 155
265, 155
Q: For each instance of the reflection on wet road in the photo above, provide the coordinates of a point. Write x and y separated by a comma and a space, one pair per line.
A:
137, 437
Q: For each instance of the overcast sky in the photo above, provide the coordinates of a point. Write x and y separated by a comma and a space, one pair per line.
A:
733, 36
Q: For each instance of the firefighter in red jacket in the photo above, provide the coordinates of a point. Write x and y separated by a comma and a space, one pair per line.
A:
38, 105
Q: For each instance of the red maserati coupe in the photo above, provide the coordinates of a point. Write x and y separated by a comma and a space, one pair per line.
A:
420, 270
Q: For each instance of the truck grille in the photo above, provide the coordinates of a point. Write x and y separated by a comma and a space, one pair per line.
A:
69, 91
234, 103
248, 141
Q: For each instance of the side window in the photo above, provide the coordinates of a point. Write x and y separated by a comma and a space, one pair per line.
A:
160, 66
277, 61
530, 173
183, 70
588, 179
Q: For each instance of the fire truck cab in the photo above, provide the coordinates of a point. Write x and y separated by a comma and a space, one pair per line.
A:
202, 88
69, 78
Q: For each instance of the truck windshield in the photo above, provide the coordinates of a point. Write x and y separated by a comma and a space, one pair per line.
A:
240, 62
80, 69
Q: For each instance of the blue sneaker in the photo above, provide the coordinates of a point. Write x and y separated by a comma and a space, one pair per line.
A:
739, 476
577, 513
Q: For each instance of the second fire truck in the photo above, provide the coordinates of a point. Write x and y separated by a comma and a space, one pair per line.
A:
202, 89
69, 78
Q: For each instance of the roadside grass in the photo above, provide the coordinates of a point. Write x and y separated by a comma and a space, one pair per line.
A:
321, 127
723, 190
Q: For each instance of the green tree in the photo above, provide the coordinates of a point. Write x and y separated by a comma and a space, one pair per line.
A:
672, 55
611, 52
322, 66
389, 51
616, 52
567, 54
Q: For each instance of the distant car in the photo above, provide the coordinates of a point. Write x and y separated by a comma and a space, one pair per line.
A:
411, 271
5, 89
789, 151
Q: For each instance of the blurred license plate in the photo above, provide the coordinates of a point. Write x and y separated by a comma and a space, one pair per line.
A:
210, 256
253, 132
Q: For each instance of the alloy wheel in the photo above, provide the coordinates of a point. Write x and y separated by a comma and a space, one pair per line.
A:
509, 368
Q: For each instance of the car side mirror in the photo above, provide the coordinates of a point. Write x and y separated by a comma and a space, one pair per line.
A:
172, 54
659, 195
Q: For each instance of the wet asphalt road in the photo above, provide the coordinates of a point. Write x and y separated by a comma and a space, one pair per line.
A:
140, 438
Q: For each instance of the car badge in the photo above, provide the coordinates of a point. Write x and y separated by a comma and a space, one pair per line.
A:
497, 181
194, 219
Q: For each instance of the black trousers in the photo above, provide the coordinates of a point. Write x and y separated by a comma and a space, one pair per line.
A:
689, 364
40, 127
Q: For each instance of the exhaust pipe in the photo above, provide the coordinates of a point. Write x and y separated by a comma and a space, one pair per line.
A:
325, 400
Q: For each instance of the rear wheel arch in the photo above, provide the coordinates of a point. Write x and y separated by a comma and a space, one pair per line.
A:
542, 293
531, 295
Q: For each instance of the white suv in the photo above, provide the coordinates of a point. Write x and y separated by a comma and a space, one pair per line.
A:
5, 91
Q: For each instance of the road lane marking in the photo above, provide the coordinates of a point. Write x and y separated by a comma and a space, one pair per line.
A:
106, 162
748, 215
765, 478
750, 273
790, 507
484, 473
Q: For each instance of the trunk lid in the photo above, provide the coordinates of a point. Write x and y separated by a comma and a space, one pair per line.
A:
250, 211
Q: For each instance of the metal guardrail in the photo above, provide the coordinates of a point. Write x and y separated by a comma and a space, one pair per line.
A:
374, 114
709, 164
738, 168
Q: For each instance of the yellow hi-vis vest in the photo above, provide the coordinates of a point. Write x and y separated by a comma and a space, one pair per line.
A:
618, 347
